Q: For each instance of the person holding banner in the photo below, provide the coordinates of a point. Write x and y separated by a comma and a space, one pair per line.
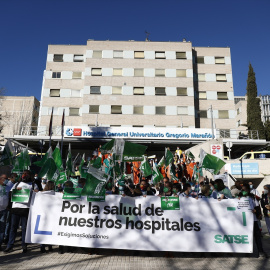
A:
145, 189
222, 191
20, 209
186, 190
206, 192
256, 210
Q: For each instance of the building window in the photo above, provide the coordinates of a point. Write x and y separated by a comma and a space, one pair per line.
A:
96, 72
160, 110
181, 55
117, 90
58, 58
182, 110
56, 75
219, 60
222, 96
223, 114
116, 109
78, 58
138, 110
201, 77
75, 93
95, 90
221, 78
181, 91
138, 91
200, 60
117, 72
160, 55
94, 109
138, 72
117, 54
160, 91
74, 111
97, 54
139, 55
224, 133
203, 114
202, 95
160, 72
181, 73
54, 92
76, 75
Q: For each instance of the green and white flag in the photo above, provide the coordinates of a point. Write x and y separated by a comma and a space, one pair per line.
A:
41, 162
94, 188
74, 181
57, 158
26, 158
133, 152
97, 163
161, 162
8, 154
168, 157
49, 169
190, 155
69, 163
16, 166
124, 151
22, 162
157, 176
211, 163
172, 174
82, 170
62, 178
145, 167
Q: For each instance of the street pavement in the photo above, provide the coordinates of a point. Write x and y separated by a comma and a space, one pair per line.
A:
82, 258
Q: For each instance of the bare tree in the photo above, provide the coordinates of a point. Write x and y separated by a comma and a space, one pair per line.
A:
19, 122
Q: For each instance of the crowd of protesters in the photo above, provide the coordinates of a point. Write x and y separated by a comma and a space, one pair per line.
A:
187, 181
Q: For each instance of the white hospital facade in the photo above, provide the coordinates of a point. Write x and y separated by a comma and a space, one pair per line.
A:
135, 84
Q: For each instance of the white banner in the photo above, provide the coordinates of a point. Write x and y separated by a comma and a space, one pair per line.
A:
138, 133
203, 225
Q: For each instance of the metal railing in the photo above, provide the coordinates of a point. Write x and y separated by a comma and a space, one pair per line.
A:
236, 134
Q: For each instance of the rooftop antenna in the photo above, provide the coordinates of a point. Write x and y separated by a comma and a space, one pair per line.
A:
147, 35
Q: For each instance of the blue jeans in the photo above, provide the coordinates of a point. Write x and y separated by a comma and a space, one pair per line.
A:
6, 236
15, 220
3, 217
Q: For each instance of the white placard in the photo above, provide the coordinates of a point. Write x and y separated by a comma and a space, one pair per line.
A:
203, 225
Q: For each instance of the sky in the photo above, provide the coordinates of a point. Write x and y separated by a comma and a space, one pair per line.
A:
28, 26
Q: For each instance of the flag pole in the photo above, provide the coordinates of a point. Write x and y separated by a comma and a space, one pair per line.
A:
62, 132
50, 129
